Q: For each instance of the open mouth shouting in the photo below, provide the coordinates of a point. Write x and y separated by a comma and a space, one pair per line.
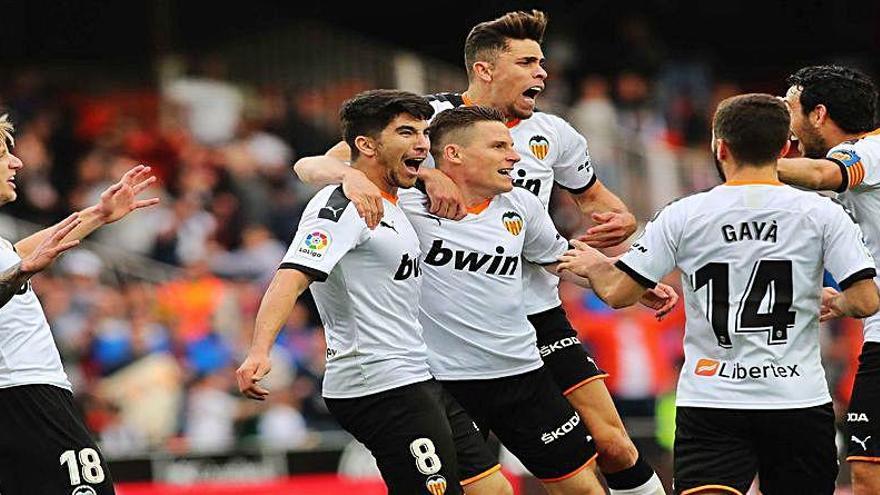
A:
532, 93
413, 163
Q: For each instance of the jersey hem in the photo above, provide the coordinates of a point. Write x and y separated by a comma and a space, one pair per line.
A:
763, 406
531, 311
66, 386
483, 376
377, 390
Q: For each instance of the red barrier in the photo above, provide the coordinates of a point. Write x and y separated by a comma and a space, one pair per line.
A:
317, 484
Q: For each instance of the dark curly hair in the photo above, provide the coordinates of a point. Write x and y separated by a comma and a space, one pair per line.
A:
849, 95
367, 113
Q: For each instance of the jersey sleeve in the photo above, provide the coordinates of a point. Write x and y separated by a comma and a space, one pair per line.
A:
846, 256
542, 243
573, 170
859, 163
652, 256
329, 228
411, 200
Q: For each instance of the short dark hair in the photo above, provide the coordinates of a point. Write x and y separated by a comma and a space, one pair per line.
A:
849, 95
457, 119
367, 113
755, 127
487, 39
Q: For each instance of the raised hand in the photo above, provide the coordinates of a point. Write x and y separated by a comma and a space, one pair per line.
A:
119, 199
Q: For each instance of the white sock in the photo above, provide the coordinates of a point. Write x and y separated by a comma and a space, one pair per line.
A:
651, 487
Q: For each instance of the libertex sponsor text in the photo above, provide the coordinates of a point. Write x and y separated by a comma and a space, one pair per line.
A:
738, 371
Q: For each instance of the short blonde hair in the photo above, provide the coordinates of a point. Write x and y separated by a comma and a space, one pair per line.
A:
6, 139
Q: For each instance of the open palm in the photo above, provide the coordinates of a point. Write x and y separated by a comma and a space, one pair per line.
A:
120, 198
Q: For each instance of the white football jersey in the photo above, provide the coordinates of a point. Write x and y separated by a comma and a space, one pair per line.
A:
752, 259
860, 162
551, 151
367, 293
472, 306
28, 355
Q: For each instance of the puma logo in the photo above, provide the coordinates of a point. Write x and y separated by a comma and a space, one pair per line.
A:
383, 223
334, 212
861, 442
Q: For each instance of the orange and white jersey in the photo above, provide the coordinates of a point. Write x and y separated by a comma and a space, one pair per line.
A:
472, 306
752, 259
551, 150
28, 355
366, 289
860, 192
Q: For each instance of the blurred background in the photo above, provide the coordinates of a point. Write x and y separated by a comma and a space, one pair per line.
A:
155, 312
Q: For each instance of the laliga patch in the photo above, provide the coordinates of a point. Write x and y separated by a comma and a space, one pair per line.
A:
848, 157
436, 485
540, 146
512, 222
314, 245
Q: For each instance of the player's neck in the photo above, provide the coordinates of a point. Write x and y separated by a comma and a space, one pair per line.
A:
376, 173
760, 174
477, 95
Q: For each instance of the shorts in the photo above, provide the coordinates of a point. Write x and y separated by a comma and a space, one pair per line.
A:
45, 447
792, 451
562, 352
416, 433
530, 416
862, 427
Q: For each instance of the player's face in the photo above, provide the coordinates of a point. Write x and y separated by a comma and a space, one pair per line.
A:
9, 165
811, 143
402, 147
488, 158
518, 77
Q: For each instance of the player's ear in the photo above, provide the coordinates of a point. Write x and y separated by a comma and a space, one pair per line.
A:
452, 153
483, 71
720, 149
365, 145
819, 115
785, 149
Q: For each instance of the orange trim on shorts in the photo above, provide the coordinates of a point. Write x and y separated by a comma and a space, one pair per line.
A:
712, 487
576, 471
858, 458
584, 382
494, 469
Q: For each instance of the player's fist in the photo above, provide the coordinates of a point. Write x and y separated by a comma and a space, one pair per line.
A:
251, 371
365, 195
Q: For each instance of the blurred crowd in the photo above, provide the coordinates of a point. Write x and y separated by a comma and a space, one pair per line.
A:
152, 362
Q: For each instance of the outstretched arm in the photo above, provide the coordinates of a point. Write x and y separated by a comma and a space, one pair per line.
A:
16, 276
116, 202
327, 169
816, 174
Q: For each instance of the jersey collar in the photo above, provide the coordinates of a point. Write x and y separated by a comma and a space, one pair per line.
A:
479, 207
753, 182
390, 197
